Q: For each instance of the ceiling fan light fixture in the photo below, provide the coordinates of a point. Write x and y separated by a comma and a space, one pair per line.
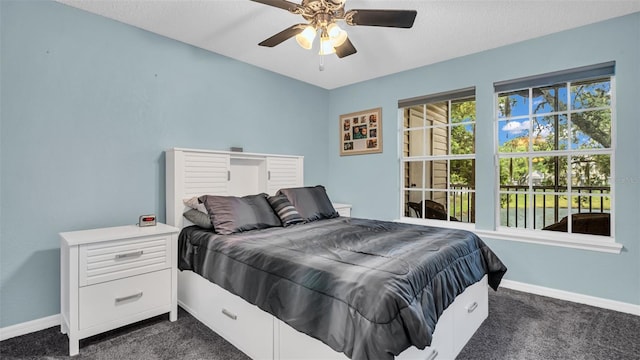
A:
323, 16
336, 34
306, 37
326, 46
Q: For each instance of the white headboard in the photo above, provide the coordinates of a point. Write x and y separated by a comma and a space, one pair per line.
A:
193, 172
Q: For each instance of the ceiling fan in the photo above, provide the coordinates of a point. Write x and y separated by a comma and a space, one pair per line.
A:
322, 17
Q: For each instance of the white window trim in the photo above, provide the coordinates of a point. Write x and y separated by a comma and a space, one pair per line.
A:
573, 241
424, 158
538, 236
459, 225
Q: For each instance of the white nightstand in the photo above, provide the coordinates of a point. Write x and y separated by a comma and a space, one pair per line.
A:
343, 209
116, 276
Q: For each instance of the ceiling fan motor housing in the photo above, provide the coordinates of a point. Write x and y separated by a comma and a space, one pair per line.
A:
318, 11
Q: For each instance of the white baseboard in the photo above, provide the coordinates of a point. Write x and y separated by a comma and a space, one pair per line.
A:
29, 327
573, 297
54, 320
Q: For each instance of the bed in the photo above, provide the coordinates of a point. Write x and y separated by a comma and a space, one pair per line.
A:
334, 288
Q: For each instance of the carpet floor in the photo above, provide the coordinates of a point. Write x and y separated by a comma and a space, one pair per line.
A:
520, 326
526, 326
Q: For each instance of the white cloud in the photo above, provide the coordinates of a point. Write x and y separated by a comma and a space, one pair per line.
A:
516, 127
542, 132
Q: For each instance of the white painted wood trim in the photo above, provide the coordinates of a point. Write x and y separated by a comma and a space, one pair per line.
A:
234, 154
574, 241
173, 314
553, 238
28, 327
54, 320
573, 297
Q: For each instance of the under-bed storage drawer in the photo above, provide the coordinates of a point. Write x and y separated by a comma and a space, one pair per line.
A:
242, 324
124, 298
441, 344
105, 261
294, 345
472, 308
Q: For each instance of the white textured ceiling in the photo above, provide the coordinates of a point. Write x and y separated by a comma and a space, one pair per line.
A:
442, 30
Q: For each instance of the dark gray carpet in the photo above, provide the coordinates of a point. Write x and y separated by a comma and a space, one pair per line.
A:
527, 326
520, 326
153, 339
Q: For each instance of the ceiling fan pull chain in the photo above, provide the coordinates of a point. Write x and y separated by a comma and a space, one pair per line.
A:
321, 67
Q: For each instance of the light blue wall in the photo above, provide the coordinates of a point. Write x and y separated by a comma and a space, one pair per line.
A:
88, 106
371, 182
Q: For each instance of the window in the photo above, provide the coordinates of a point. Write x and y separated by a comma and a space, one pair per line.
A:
438, 156
555, 153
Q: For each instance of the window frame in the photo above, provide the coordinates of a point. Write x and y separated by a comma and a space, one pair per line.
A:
450, 97
566, 239
491, 229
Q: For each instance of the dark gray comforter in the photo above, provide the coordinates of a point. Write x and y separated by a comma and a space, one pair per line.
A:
367, 288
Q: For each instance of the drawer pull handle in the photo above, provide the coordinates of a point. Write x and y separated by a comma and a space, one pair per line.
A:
472, 307
129, 255
229, 314
130, 297
433, 355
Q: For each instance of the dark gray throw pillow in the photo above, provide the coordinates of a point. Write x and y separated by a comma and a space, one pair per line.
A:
285, 210
312, 202
199, 218
231, 214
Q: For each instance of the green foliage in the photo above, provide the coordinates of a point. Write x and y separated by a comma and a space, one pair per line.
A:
518, 200
462, 172
463, 111
463, 141
591, 128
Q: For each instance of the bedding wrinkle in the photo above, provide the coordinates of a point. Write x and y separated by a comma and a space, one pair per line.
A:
367, 288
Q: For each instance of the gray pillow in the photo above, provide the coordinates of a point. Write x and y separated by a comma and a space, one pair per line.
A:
231, 214
285, 210
198, 218
312, 202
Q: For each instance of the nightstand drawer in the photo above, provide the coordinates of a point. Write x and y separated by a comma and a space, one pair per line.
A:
106, 261
121, 299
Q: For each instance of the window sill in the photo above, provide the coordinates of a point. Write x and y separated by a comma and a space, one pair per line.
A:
573, 241
438, 223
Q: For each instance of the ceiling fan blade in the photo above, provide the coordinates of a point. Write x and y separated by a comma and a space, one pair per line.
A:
345, 49
282, 4
388, 18
283, 35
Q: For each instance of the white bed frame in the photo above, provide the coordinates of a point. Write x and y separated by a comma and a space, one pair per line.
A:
258, 334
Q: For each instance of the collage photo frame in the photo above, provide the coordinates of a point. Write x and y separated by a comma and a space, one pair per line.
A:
361, 132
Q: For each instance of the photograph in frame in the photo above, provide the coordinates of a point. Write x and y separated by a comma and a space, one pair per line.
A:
361, 132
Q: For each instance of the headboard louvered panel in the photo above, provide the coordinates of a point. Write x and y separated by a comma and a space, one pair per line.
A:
206, 173
283, 173
191, 172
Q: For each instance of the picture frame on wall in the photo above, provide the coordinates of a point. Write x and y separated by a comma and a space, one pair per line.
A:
361, 132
